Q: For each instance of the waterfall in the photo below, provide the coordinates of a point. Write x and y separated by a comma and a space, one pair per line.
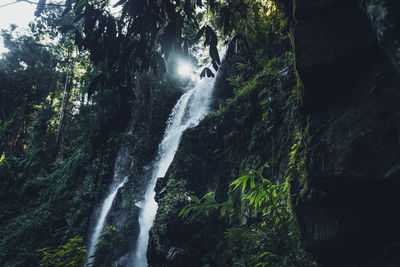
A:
187, 112
122, 169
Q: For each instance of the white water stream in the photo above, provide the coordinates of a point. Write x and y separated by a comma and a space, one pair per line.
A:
188, 111
123, 165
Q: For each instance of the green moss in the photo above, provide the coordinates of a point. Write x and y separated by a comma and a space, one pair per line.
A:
297, 168
298, 89
169, 205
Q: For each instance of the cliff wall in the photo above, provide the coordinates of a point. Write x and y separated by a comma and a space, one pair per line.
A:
323, 111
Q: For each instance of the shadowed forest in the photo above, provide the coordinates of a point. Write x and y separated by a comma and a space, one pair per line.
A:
203, 133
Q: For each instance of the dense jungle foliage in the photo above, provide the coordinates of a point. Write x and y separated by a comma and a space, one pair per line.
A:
67, 90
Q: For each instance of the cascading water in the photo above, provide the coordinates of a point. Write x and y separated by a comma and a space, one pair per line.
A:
188, 111
122, 169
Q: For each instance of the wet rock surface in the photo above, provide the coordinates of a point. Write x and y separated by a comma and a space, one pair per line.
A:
353, 160
152, 106
383, 15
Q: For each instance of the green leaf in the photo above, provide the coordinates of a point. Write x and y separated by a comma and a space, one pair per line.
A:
195, 199
209, 197
267, 253
244, 185
266, 181
199, 34
223, 210
252, 183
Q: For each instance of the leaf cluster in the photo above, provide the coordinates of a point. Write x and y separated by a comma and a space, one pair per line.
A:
47, 196
261, 232
72, 254
109, 237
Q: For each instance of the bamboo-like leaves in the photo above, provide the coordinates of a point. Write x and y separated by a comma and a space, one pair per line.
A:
215, 66
255, 190
203, 74
211, 40
199, 34
261, 203
214, 54
195, 199
73, 253
200, 206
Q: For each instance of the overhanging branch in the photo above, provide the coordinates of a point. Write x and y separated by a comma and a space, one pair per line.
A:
30, 2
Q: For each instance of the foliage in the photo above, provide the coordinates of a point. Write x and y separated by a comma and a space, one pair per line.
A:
47, 193
261, 232
109, 240
73, 254
297, 172
145, 33
176, 195
139, 39
261, 227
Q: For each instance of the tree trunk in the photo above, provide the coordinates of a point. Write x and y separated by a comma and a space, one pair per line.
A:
67, 89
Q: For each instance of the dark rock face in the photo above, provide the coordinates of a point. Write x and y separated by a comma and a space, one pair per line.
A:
384, 19
347, 57
152, 106
351, 94
334, 43
223, 89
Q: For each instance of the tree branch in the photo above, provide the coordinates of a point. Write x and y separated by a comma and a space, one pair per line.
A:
8, 4
30, 2
35, 3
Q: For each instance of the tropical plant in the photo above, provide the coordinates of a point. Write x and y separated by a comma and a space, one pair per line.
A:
262, 230
72, 254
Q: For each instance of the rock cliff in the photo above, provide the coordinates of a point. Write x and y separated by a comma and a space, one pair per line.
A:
332, 112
